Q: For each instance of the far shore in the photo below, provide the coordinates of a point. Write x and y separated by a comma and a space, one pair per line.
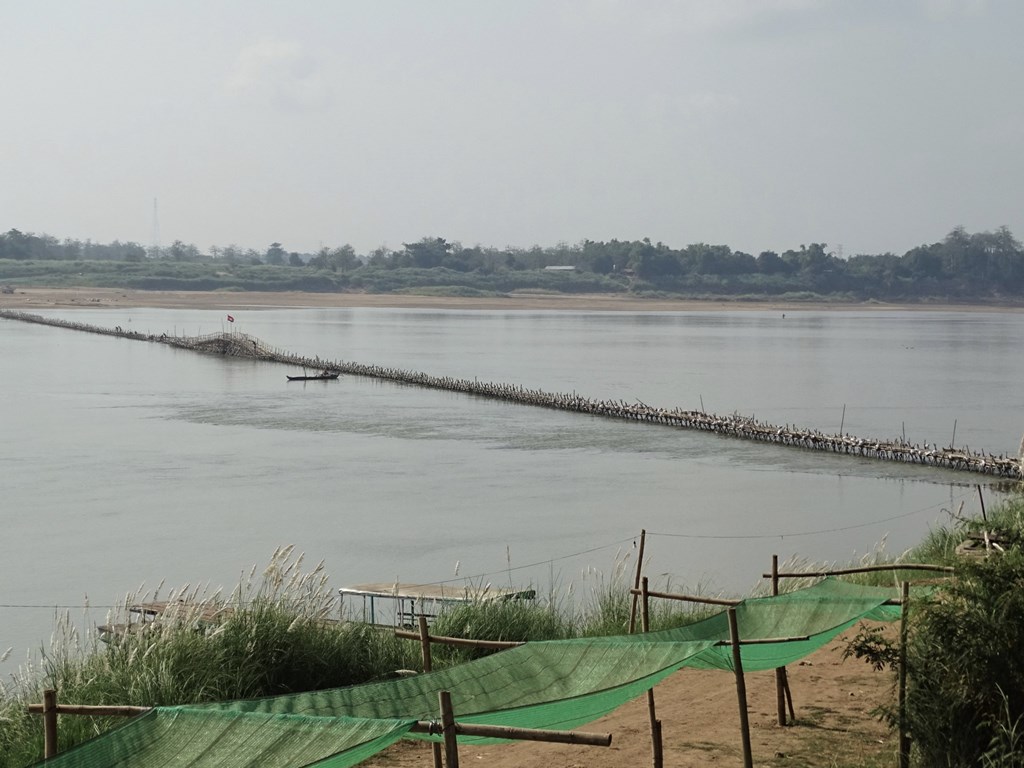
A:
29, 298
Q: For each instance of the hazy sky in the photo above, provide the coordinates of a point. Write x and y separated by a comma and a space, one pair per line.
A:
760, 124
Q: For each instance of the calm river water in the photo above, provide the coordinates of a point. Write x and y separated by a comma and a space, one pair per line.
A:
126, 463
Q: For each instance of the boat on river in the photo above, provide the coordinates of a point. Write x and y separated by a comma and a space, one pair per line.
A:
322, 376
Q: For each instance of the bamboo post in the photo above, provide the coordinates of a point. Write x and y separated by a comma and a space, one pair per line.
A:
49, 723
904, 736
451, 743
842, 421
981, 498
425, 643
636, 580
435, 746
780, 672
741, 688
656, 746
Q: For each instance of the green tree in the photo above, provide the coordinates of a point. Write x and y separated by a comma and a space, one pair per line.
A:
275, 254
428, 253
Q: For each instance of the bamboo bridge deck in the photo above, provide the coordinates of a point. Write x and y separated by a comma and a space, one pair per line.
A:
236, 344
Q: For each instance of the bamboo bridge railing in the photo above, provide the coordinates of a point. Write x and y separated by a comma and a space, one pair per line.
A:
237, 344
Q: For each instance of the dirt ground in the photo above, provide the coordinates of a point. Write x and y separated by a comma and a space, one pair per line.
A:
699, 710
239, 301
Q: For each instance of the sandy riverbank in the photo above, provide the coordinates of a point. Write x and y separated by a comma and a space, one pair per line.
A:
70, 298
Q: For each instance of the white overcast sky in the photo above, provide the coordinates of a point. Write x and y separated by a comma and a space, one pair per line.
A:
876, 125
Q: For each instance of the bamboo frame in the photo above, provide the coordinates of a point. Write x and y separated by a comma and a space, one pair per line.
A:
780, 672
866, 569
428, 666
459, 641
49, 723
581, 738
657, 750
689, 598
50, 709
741, 688
451, 742
904, 761
636, 581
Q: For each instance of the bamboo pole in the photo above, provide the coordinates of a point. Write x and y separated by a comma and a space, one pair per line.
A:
741, 688
780, 672
49, 723
451, 743
636, 580
904, 736
689, 598
582, 738
866, 569
435, 747
425, 643
89, 709
460, 641
656, 746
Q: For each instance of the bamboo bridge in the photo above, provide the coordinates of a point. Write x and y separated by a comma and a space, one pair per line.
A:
237, 344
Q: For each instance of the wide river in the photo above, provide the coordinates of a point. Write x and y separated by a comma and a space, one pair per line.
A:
127, 463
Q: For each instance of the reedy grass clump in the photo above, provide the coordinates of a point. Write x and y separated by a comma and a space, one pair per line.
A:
273, 635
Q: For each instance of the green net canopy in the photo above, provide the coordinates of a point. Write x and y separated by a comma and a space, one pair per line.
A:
553, 685
184, 737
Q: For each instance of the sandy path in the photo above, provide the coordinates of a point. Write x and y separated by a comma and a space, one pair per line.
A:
834, 700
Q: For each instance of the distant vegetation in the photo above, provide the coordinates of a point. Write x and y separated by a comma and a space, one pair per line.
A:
963, 266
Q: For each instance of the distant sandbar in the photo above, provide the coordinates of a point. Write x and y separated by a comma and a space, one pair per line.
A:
92, 298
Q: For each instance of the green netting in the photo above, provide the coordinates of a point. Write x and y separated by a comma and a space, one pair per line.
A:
185, 737
557, 684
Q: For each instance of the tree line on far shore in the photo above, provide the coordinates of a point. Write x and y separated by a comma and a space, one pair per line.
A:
963, 266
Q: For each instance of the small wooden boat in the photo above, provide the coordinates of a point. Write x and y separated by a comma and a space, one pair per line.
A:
322, 376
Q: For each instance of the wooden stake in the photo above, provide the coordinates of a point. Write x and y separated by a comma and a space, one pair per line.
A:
981, 498
451, 743
463, 642
425, 643
49, 723
689, 598
842, 421
520, 734
904, 761
636, 580
435, 746
656, 747
741, 688
780, 672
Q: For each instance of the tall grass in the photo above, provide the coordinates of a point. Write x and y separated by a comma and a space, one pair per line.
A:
272, 635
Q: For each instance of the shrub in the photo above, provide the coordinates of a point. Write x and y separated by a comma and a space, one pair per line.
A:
965, 666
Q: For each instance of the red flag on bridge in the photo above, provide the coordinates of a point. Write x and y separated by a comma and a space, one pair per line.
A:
231, 319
